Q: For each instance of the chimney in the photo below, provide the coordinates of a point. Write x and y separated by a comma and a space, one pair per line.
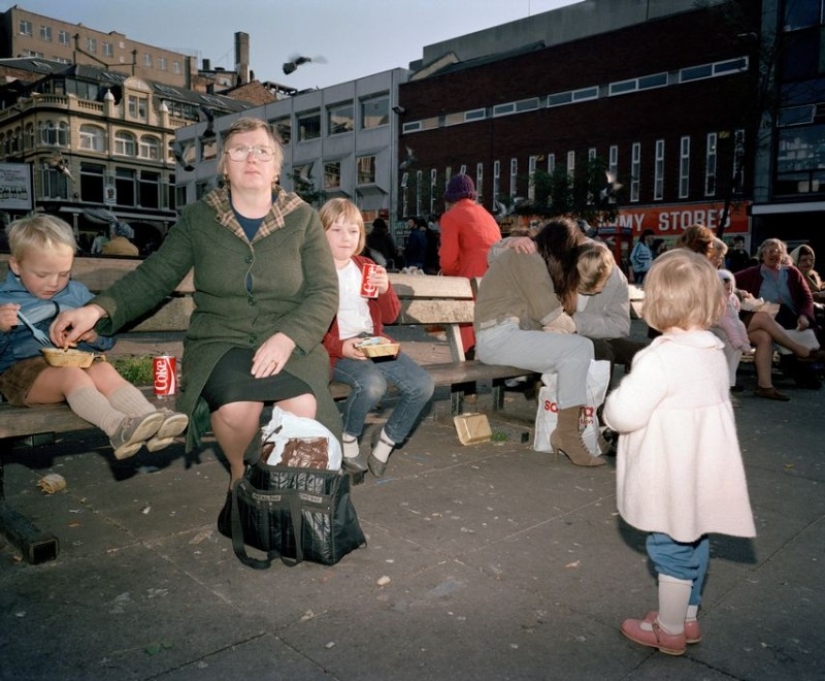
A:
242, 56
207, 65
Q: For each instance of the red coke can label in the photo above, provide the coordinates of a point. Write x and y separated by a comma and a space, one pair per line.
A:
165, 374
367, 289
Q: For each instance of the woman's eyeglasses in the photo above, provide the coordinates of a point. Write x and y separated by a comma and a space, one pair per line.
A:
242, 153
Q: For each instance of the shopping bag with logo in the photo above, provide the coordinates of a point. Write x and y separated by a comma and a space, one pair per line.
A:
598, 380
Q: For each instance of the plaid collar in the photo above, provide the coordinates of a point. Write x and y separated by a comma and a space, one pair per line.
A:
283, 203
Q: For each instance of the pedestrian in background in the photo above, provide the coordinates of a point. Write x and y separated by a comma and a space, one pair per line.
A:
679, 471
641, 256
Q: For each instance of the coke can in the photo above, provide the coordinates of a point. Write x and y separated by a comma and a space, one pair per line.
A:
367, 289
165, 375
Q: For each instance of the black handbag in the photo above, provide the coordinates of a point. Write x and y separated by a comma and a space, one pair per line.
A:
294, 514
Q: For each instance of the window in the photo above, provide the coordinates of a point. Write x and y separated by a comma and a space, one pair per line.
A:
636, 84
91, 45
419, 180
613, 160
504, 109
149, 189
479, 179
125, 143
551, 163
572, 96
108, 50
513, 176
496, 180
55, 185
30, 136
710, 165
46, 33
739, 161
56, 134
176, 67
801, 15
571, 163
91, 182
635, 170
721, 68
531, 172
149, 148
800, 160
283, 128
63, 37
659, 171
684, 167
340, 119
147, 60
25, 27
309, 125
332, 175
162, 63
209, 148
365, 167
591, 154
125, 186
138, 107
92, 138
475, 115
375, 112
433, 185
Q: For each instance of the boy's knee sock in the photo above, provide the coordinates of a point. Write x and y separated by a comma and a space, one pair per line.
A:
91, 405
674, 597
131, 401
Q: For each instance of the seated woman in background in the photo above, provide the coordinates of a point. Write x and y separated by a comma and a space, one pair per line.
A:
520, 312
783, 284
804, 258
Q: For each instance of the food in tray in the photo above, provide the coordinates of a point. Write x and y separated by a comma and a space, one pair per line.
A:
58, 357
378, 346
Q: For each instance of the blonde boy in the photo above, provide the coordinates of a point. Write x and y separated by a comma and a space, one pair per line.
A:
39, 286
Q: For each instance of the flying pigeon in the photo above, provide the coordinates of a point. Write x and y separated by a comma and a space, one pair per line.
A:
296, 60
59, 164
408, 161
177, 150
209, 116
608, 193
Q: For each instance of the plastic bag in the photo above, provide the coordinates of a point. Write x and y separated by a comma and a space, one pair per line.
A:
598, 380
299, 442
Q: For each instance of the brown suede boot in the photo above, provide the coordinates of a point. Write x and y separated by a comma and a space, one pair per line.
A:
567, 439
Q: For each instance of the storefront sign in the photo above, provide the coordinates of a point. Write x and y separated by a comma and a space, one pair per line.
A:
674, 219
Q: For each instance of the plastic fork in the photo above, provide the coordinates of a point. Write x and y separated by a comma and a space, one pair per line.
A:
39, 336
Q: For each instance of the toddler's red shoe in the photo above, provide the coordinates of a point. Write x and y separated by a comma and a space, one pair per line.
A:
670, 644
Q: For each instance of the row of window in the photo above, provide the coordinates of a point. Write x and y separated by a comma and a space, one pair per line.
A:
92, 138
373, 112
427, 193
585, 94
107, 49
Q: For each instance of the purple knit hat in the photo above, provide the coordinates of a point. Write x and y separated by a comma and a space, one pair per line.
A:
460, 187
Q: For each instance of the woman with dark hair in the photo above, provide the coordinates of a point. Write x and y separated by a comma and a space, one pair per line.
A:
522, 319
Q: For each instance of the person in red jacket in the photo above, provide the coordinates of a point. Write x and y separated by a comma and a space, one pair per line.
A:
467, 232
358, 319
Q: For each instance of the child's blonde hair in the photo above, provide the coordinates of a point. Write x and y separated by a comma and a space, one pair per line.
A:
343, 208
683, 290
39, 232
595, 264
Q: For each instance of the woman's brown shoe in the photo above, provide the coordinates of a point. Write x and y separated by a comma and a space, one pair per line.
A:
770, 394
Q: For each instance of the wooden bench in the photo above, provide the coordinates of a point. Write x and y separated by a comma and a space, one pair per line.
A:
429, 301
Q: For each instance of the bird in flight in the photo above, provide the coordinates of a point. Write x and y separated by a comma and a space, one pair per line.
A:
59, 163
297, 60
608, 193
408, 160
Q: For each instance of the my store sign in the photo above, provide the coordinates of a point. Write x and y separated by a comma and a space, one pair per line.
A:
674, 219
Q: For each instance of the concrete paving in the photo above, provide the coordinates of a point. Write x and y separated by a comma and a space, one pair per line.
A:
502, 563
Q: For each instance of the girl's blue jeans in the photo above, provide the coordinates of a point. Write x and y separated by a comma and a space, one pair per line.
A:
369, 381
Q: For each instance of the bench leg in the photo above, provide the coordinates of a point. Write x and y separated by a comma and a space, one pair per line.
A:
35, 545
456, 401
498, 395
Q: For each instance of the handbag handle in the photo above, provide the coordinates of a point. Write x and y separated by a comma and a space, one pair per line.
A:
239, 546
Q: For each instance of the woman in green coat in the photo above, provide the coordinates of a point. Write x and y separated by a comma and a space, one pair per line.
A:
265, 294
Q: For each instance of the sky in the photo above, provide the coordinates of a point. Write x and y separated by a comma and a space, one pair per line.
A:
356, 38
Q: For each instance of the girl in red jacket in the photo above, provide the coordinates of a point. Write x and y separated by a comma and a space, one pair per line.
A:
360, 318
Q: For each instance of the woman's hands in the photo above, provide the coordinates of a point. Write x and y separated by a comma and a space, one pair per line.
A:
272, 356
72, 326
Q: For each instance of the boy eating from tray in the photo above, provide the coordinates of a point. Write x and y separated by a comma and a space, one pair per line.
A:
38, 286
362, 313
